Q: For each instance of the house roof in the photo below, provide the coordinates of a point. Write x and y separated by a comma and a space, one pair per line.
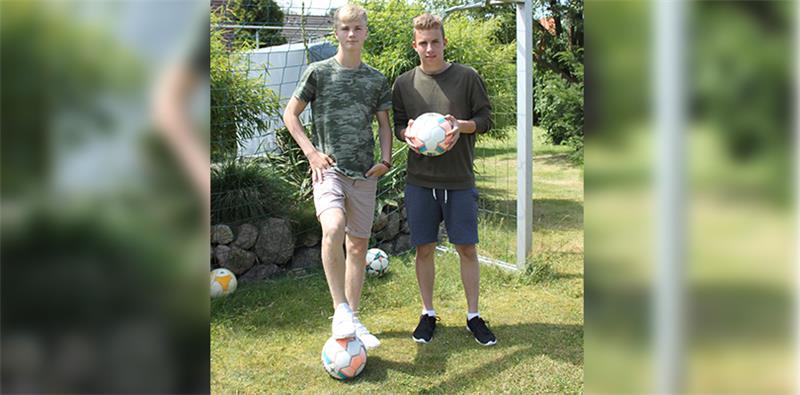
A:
317, 26
549, 24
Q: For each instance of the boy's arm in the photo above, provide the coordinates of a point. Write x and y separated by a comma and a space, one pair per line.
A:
401, 120
385, 137
318, 162
481, 106
481, 120
400, 115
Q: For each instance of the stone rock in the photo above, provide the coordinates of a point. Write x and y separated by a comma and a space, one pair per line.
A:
311, 238
239, 260
260, 273
405, 227
387, 247
222, 254
246, 236
380, 222
402, 244
221, 234
211, 260
306, 258
275, 244
392, 227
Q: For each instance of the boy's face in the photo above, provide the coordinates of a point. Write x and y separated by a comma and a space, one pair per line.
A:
351, 34
429, 45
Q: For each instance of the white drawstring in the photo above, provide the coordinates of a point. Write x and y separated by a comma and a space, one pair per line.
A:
433, 190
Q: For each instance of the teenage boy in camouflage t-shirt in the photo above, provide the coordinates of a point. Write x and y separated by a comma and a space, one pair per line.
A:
344, 94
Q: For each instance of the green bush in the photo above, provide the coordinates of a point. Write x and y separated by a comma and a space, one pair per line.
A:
392, 185
471, 42
245, 190
256, 12
475, 43
560, 107
291, 164
388, 47
240, 106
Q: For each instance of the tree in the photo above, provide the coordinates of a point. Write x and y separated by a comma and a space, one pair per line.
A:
57, 88
240, 106
558, 75
260, 13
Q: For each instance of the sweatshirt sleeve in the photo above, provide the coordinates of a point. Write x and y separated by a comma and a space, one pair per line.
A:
398, 110
481, 106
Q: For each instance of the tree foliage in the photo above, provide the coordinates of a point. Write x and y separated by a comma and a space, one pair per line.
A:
745, 93
260, 13
471, 42
59, 81
558, 72
475, 44
485, 38
240, 105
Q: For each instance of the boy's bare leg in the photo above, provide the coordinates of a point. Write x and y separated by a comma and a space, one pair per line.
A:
356, 262
426, 273
354, 281
470, 274
333, 261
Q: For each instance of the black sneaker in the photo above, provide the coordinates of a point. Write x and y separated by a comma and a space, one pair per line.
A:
482, 334
425, 328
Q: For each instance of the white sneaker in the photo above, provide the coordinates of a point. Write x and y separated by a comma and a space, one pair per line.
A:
369, 340
342, 326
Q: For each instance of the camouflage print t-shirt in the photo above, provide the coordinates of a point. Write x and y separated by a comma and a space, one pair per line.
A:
343, 102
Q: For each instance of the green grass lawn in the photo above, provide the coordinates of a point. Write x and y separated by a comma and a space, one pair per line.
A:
739, 268
267, 338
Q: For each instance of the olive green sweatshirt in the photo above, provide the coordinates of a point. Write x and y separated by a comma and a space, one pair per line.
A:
458, 91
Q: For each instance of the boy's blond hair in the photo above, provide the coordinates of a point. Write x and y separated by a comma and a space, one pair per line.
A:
427, 21
348, 13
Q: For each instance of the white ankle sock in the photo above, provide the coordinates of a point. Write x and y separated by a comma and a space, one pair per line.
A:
429, 313
472, 315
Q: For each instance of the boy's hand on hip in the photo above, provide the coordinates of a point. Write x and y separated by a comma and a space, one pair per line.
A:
377, 170
318, 163
451, 137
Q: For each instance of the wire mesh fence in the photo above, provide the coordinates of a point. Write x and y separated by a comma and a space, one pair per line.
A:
261, 51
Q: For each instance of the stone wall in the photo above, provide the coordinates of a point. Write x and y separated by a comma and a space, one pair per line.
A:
269, 248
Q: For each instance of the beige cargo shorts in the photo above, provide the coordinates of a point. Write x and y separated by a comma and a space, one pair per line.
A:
356, 198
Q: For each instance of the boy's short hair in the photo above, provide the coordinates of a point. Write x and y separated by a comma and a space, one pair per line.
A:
348, 13
427, 21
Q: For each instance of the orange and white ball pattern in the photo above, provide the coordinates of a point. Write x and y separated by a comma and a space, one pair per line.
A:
344, 358
223, 282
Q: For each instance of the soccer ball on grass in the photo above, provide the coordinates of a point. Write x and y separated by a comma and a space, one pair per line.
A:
377, 262
223, 282
344, 358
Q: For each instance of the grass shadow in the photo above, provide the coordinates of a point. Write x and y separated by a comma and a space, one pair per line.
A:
559, 159
548, 214
556, 341
485, 153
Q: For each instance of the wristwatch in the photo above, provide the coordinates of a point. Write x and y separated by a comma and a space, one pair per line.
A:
387, 164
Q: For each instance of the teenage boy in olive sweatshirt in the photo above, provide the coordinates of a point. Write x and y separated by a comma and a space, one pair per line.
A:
443, 187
